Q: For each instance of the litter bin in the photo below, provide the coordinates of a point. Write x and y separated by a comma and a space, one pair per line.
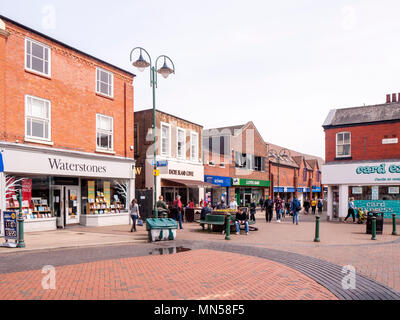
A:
161, 229
379, 222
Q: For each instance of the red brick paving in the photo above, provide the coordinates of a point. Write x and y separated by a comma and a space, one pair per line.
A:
198, 274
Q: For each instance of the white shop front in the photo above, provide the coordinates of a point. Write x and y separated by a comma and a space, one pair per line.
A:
375, 186
178, 178
64, 188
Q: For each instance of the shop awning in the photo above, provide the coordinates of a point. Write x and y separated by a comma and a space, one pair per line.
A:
192, 183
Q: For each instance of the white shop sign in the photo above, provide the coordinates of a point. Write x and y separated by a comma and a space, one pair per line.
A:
368, 173
179, 170
36, 162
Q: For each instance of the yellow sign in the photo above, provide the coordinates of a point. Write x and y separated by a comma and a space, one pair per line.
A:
156, 173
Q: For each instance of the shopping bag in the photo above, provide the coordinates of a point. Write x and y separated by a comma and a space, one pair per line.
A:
140, 223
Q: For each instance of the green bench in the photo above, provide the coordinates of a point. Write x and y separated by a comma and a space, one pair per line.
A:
217, 222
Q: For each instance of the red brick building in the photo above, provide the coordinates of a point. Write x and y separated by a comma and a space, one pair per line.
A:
66, 130
235, 159
362, 158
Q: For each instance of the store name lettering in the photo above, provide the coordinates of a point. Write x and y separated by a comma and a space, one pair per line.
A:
181, 173
381, 169
58, 164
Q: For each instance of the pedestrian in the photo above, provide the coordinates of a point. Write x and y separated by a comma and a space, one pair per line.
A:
306, 206
313, 206
162, 206
134, 212
295, 207
233, 204
278, 208
261, 203
253, 208
351, 211
287, 206
269, 207
222, 205
177, 207
241, 218
320, 205
204, 212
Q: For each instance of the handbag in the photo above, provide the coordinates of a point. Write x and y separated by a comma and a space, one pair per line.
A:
140, 222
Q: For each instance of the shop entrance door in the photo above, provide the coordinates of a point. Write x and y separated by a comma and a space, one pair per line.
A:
247, 198
72, 211
57, 205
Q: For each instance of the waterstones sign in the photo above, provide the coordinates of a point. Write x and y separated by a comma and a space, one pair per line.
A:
44, 163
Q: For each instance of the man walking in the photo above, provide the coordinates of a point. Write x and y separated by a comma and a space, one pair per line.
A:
269, 207
295, 207
278, 208
253, 208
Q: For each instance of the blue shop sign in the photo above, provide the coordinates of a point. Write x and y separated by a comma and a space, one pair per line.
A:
163, 163
291, 190
300, 189
1, 163
219, 181
316, 189
280, 189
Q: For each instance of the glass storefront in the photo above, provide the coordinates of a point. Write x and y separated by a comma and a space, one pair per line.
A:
375, 192
244, 195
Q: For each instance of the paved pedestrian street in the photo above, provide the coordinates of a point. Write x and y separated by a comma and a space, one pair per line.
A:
280, 261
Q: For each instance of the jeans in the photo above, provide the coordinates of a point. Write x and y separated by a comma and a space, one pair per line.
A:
238, 226
134, 219
313, 209
278, 214
252, 216
179, 219
295, 217
350, 212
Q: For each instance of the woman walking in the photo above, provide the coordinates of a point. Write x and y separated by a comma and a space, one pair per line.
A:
134, 211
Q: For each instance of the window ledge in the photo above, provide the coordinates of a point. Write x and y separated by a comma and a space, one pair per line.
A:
49, 143
343, 158
105, 96
37, 73
106, 151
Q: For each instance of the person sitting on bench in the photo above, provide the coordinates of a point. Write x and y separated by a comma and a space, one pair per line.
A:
204, 212
241, 218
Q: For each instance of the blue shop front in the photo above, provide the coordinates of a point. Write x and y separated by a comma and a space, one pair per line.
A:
216, 194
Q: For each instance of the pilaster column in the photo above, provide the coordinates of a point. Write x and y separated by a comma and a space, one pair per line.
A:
330, 203
2, 199
343, 201
3, 64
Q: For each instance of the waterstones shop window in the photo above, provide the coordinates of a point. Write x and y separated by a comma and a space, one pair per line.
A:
343, 144
38, 57
104, 132
104, 82
102, 196
37, 118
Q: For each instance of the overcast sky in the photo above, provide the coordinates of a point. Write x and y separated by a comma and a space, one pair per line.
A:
282, 65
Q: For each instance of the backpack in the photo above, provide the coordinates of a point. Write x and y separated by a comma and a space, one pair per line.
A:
297, 205
320, 205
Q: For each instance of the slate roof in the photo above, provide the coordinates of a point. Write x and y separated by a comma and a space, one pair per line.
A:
363, 115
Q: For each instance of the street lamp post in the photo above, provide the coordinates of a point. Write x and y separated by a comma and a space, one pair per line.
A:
275, 155
165, 71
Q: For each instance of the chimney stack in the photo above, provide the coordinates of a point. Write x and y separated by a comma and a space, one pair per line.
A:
394, 97
388, 98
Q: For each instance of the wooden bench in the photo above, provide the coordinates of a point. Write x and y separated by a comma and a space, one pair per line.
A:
217, 222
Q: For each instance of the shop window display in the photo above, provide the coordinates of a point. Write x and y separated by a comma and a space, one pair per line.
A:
101, 196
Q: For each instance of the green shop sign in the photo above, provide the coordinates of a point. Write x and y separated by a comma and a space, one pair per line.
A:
250, 183
386, 206
380, 169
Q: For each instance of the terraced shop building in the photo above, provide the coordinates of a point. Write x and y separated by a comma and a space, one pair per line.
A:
363, 158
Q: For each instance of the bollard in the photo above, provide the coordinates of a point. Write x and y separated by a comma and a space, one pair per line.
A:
228, 227
373, 228
20, 219
317, 218
394, 233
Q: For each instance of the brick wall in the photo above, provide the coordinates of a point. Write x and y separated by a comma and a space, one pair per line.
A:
71, 91
366, 142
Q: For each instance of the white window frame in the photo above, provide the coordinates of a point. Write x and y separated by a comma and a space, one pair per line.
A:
168, 153
101, 149
337, 136
48, 75
192, 133
33, 138
98, 80
184, 143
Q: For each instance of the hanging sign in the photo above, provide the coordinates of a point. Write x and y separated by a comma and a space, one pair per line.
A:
107, 196
27, 190
91, 191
